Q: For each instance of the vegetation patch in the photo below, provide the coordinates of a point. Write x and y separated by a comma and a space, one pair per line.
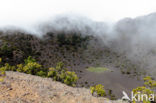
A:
58, 73
2, 72
148, 89
97, 69
98, 90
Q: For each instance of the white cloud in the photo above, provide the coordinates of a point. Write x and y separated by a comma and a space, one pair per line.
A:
29, 11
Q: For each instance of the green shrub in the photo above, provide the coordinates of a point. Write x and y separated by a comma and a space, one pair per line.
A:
98, 89
32, 68
149, 82
0, 60
61, 74
8, 67
148, 89
143, 90
2, 73
29, 60
69, 78
20, 68
52, 73
41, 73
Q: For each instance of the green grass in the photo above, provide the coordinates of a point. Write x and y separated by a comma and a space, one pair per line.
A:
97, 69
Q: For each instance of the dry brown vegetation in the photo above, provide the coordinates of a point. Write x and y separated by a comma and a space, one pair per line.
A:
25, 88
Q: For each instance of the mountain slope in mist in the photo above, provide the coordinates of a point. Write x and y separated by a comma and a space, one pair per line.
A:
135, 38
78, 52
126, 48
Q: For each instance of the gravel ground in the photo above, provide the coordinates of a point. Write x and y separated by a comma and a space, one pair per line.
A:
25, 88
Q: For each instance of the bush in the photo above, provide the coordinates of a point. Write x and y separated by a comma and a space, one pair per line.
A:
149, 82
148, 89
32, 68
41, 73
29, 60
0, 62
8, 67
69, 78
2, 73
143, 90
52, 73
98, 89
61, 74
20, 68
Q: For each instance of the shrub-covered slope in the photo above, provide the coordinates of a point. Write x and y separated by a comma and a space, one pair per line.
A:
78, 52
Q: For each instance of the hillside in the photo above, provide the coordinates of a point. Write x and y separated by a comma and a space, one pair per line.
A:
78, 53
25, 88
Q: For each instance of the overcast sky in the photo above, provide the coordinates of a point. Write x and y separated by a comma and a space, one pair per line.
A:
29, 11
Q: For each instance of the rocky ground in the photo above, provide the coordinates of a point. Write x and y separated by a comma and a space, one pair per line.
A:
24, 88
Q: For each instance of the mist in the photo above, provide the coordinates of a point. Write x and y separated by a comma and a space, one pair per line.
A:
135, 38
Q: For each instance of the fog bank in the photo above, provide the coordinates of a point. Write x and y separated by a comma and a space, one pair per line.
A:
134, 38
